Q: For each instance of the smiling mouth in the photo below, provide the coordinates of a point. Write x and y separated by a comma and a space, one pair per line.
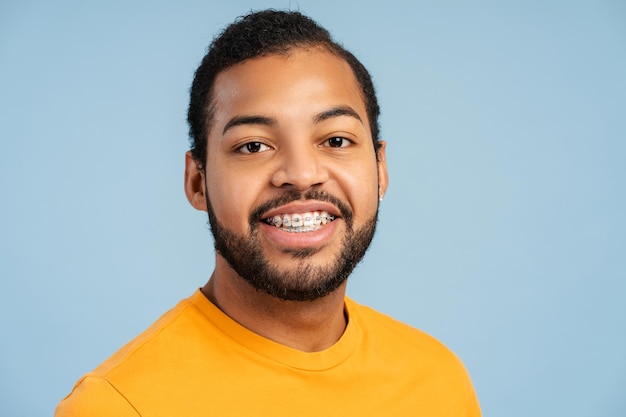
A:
300, 222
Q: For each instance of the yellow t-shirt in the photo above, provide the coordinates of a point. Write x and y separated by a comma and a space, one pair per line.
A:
196, 361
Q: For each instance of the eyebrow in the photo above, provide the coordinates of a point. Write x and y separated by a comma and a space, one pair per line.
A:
337, 112
249, 120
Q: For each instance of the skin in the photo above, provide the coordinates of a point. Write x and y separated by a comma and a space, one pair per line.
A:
287, 109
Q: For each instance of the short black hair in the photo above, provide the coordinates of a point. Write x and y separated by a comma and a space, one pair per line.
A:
259, 34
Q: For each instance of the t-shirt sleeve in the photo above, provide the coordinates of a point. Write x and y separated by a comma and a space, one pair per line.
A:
474, 406
95, 397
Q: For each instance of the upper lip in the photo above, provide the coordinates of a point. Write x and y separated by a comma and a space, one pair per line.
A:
303, 207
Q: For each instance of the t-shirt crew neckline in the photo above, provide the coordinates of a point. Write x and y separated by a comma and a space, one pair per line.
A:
308, 361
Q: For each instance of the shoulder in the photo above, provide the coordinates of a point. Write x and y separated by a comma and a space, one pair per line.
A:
382, 326
400, 343
150, 341
112, 383
93, 396
411, 358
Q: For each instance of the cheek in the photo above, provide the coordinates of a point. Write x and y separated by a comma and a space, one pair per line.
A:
231, 200
362, 191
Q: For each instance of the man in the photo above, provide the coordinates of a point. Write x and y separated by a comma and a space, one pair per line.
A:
287, 162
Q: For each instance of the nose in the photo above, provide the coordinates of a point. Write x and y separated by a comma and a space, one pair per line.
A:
300, 168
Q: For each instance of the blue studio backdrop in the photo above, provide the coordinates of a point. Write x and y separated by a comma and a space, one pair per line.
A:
502, 233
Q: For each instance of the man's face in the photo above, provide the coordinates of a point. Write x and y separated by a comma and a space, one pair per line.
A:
292, 181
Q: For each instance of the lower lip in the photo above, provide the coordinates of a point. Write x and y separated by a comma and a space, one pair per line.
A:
300, 239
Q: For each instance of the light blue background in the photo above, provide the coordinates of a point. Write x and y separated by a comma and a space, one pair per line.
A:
502, 233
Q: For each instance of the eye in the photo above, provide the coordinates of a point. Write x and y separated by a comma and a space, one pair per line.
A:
253, 147
337, 142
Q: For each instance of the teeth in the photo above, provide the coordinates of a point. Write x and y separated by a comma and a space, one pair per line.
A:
286, 220
277, 221
301, 222
307, 219
297, 220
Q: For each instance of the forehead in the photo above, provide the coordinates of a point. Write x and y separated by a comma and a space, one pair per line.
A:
303, 80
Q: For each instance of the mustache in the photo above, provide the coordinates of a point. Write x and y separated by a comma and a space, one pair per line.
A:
292, 195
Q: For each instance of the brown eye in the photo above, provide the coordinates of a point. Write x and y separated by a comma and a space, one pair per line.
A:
253, 147
337, 142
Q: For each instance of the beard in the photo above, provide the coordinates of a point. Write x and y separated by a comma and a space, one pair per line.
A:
305, 282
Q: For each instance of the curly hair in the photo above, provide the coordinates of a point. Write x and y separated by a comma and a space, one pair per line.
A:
257, 34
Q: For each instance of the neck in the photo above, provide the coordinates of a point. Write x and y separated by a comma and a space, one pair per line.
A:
309, 326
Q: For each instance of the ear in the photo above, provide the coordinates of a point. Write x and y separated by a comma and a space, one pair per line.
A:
194, 183
383, 178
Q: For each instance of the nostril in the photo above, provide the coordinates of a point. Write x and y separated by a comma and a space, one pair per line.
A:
300, 168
